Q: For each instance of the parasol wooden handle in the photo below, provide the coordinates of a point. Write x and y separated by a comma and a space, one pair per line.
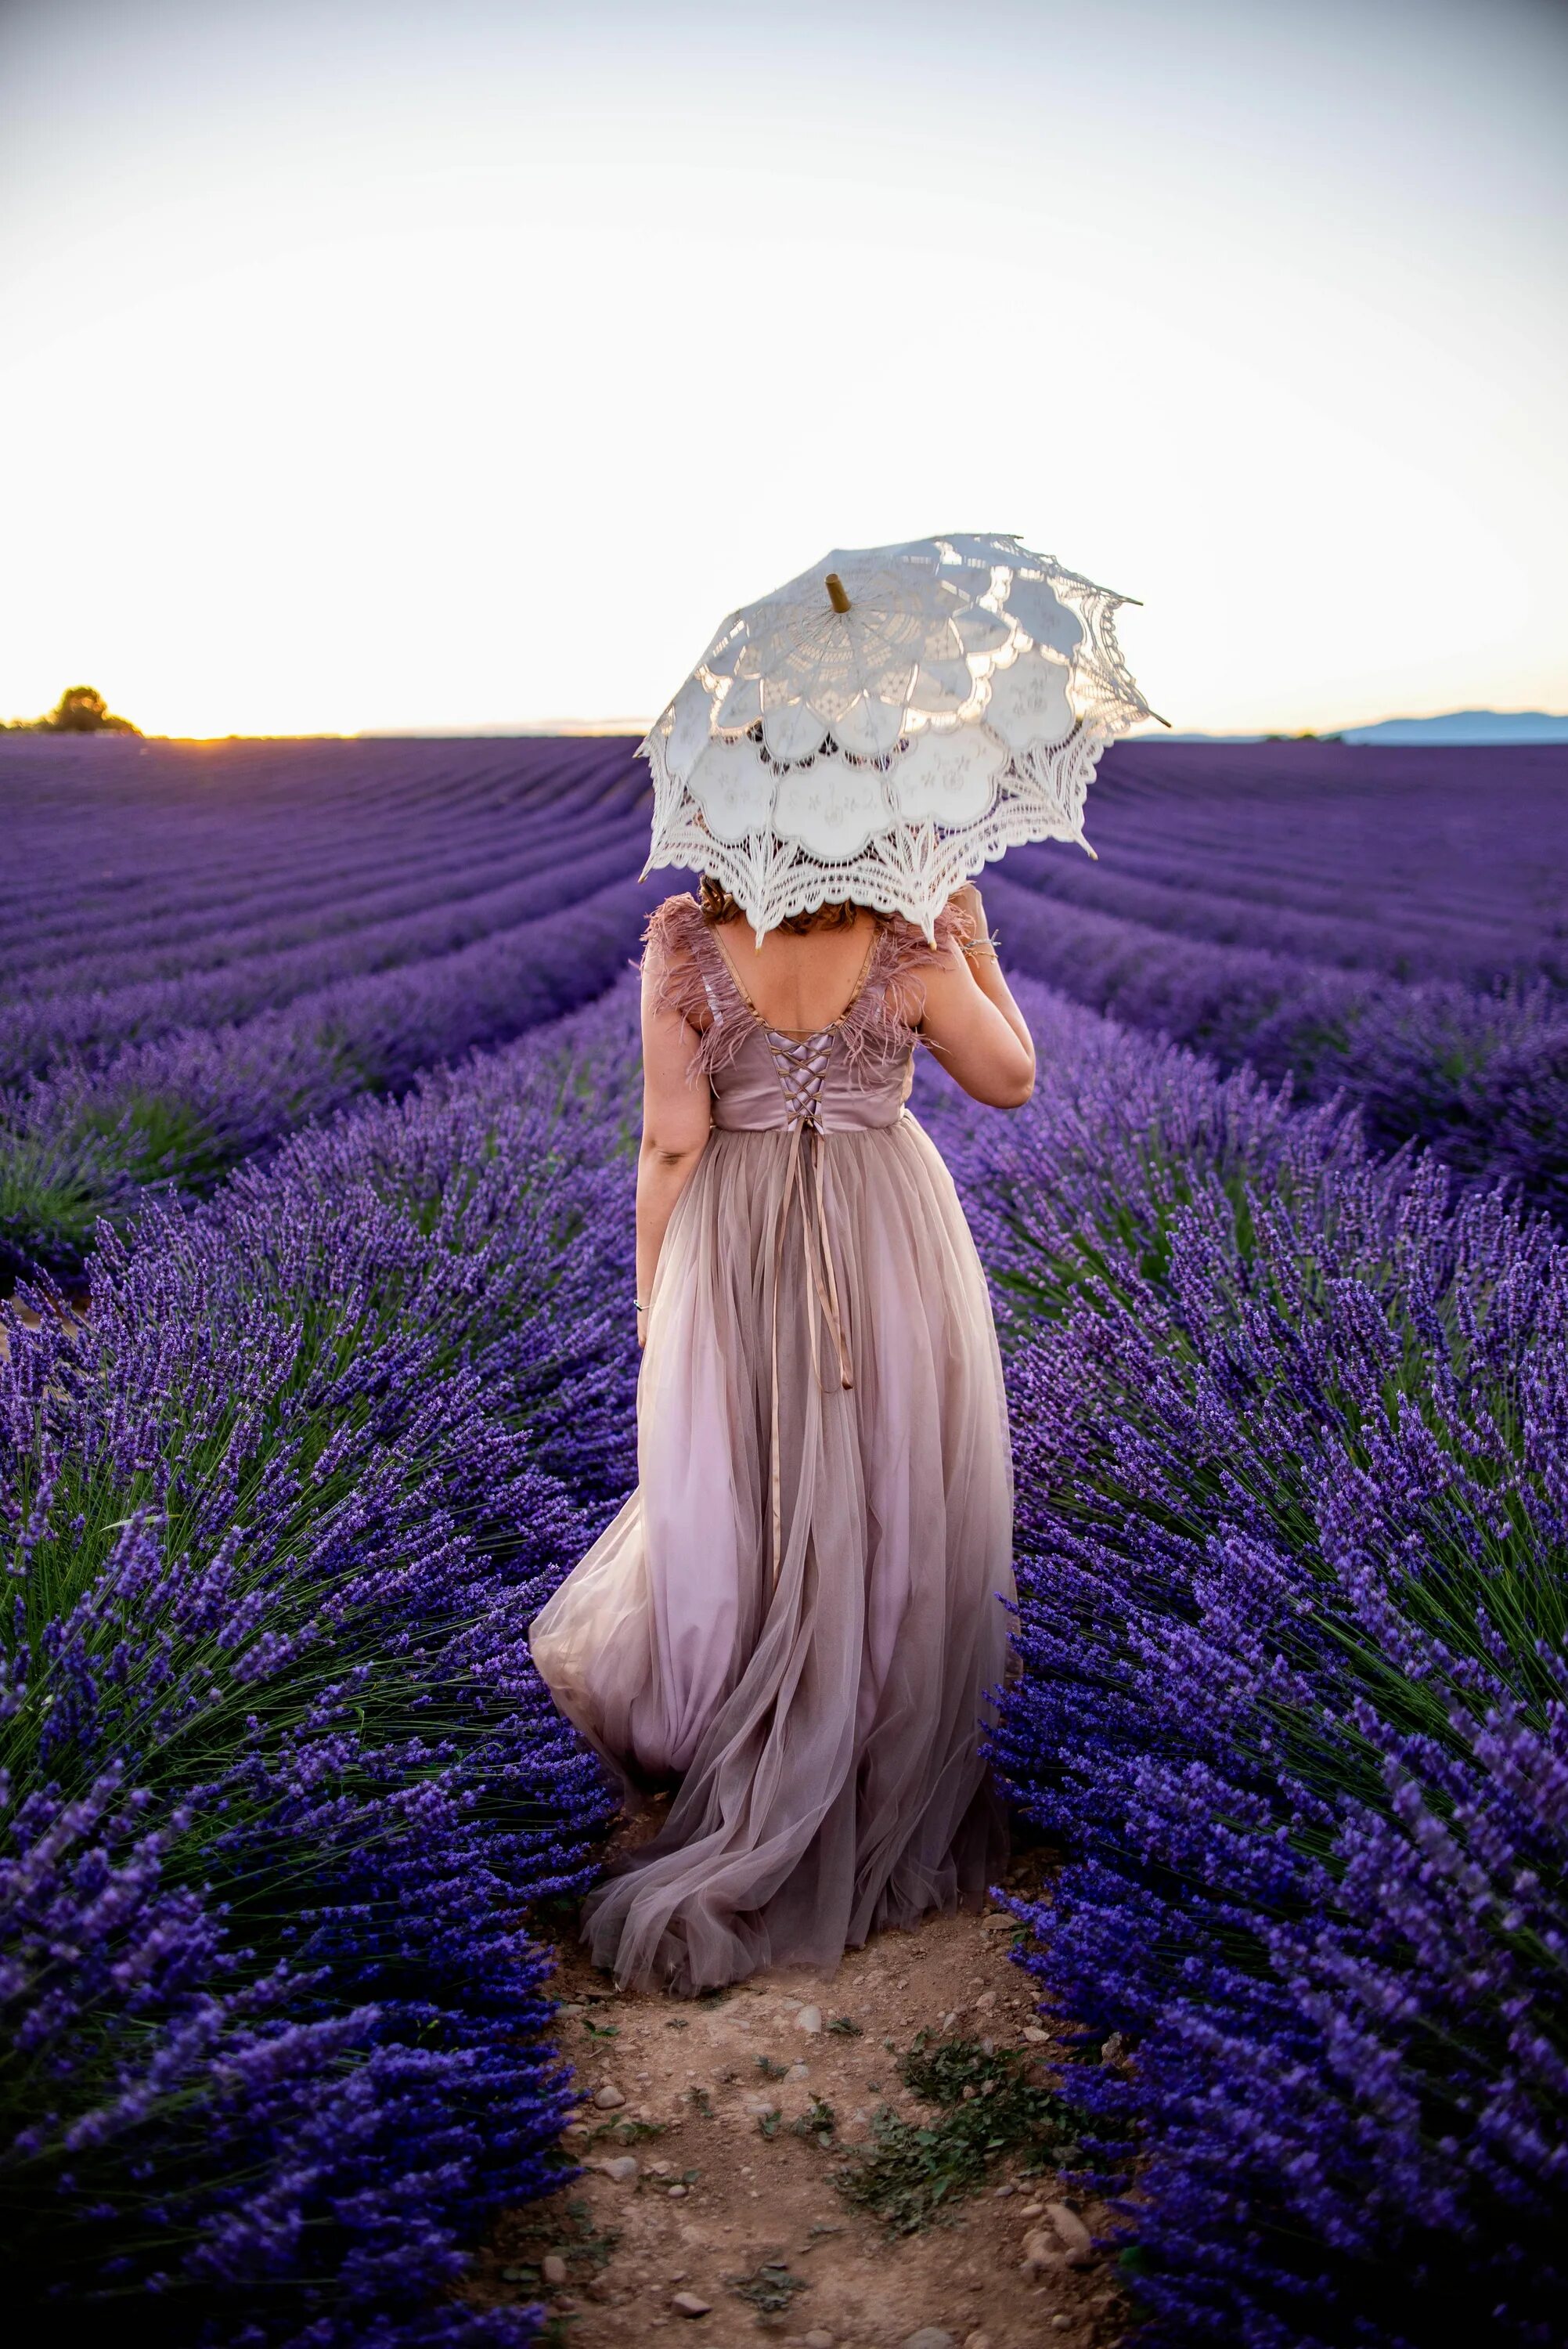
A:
836, 595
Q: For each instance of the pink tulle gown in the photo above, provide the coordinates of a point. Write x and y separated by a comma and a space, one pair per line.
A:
798, 1616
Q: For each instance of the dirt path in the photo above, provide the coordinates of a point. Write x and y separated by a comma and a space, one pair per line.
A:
714, 2198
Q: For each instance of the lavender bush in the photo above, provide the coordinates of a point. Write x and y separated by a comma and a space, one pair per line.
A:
280, 1787
1293, 1526
82, 1144
1479, 1077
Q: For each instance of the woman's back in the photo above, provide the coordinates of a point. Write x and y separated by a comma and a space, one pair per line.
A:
799, 983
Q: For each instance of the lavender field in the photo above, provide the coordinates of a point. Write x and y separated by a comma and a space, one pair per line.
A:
320, 1073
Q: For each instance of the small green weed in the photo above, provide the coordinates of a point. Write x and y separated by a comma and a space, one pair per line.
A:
846, 2027
525, 2236
818, 2120
769, 2287
628, 2132
986, 2109
769, 2069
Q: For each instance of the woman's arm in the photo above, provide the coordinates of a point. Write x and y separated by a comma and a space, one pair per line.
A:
971, 1021
676, 1116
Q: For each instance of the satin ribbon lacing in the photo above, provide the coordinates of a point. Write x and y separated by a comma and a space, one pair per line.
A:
802, 1064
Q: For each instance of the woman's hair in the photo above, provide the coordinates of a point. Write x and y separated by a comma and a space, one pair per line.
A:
717, 906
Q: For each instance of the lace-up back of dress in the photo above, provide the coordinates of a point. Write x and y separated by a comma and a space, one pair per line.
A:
851, 1073
802, 1063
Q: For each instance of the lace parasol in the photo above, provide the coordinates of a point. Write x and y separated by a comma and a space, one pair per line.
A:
887, 724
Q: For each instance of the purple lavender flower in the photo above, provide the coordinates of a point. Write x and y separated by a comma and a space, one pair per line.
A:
1294, 1530
283, 1790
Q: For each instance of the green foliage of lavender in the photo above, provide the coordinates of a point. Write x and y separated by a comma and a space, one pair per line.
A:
1290, 1433
280, 1787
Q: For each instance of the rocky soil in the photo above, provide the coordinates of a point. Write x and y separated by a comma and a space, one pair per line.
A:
719, 2200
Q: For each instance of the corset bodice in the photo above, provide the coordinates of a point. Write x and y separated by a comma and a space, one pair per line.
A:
773, 1080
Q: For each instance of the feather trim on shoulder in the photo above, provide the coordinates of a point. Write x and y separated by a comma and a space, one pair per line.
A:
692, 979
875, 1026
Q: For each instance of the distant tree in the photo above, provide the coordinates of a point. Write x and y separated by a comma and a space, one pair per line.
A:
82, 710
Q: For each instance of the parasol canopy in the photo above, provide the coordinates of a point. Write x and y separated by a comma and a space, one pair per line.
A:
887, 724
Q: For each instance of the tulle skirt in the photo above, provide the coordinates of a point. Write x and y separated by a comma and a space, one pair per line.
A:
821, 1723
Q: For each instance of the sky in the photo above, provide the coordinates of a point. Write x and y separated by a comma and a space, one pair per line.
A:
371, 364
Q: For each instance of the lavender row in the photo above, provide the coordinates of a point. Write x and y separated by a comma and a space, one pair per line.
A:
320, 871
1293, 1528
1421, 864
84, 1026
81, 1144
281, 1790
1483, 1078
1444, 864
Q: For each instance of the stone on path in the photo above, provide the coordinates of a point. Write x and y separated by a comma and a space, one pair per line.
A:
690, 2304
930, 2336
621, 2170
809, 2019
1071, 2233
1041, 2254
608, 2097
552, 2268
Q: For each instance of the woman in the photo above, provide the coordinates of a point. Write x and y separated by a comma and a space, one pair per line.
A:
797, 1618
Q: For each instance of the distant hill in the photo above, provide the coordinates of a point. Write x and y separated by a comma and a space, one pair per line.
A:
1465, 726
1460, 725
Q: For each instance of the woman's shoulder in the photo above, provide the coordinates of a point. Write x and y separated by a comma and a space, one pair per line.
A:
671, 920
678, 959
950, 927
903, 949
